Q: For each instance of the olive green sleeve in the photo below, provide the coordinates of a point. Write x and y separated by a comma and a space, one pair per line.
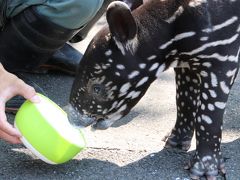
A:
71, 14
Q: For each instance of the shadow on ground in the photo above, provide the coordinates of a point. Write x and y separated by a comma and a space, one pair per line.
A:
163, 165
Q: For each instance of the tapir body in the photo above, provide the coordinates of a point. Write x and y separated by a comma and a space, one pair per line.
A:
198, 38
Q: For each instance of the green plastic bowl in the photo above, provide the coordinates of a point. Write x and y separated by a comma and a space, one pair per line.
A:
47, 132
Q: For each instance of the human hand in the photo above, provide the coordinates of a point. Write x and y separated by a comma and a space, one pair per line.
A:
10, 86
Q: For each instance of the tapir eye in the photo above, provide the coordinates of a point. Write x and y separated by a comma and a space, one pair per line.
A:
97, 89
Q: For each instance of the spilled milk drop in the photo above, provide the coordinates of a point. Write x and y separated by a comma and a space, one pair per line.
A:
75, 118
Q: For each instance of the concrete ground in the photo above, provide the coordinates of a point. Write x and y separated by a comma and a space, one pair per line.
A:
132, 148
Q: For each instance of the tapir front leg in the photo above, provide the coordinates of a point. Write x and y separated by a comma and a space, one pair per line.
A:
187, 87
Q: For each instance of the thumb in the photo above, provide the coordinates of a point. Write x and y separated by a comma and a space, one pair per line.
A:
27, 92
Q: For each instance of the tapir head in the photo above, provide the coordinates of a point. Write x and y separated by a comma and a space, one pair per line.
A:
113, 74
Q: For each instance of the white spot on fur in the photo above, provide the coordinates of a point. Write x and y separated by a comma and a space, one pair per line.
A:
97, 67
133, 94
238, 30
160, 70
195, 3
207, 64
108, 53
108, 83
231, 73
214, 80
172, 53
211, 107
114, 105
204, 38
110, 60
188, 79
206, 85
152, 57
142, 65
117, 74
224, 87
203, 107
105, 111
122, 108
174, 64
133, 74
118, 114
195, 81
207, 119
220, 57
220, 105
120, 67
110, 95
98, 72
204, 95
120, 103
212, 44
177, 38
142, 81
220, 26
154, 66
113, 88
176, 14
213, 93
202, 128
204, 74
123, 90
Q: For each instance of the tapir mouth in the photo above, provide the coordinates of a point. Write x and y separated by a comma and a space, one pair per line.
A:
102, 124
77, 119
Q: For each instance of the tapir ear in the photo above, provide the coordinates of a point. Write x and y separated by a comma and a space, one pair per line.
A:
121, 21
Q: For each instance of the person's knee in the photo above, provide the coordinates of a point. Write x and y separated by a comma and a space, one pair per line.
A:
71, 14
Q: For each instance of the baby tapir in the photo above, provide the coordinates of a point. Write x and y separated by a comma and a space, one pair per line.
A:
198, 38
